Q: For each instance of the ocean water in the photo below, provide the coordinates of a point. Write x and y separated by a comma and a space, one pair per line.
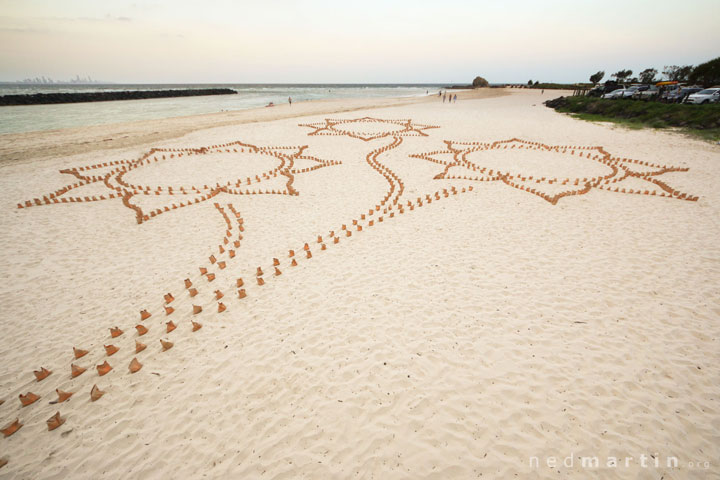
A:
29, 118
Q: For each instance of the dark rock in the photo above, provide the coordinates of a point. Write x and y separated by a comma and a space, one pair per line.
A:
556, 102
49, 98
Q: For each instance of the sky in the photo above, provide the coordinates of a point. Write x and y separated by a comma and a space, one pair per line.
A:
337, 41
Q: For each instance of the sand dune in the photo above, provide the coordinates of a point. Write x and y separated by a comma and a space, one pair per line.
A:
421, 290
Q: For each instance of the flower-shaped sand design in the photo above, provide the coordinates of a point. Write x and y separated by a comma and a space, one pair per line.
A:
368, 128
551, 172
145, 185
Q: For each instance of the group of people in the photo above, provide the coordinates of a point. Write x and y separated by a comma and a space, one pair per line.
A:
448, 96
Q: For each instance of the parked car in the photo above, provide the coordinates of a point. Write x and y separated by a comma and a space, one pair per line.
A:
646, 92
629, 92
679, 94
618, 93
709, 95
602, 89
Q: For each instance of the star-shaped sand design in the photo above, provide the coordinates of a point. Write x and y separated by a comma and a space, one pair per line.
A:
368, 128
551, 172
153, 183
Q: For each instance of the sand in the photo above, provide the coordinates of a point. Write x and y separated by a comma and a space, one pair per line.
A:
463, 335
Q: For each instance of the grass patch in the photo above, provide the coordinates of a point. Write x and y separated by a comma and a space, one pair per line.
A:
561, 86
702, 121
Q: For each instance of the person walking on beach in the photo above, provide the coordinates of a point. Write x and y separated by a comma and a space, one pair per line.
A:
440, 94
444, 95
290, 101
455, 98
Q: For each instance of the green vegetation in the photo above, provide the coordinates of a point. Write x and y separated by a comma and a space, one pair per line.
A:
560, 86
699, 120
596, 77
707, 74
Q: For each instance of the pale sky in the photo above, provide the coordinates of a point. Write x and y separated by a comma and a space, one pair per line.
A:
366, 41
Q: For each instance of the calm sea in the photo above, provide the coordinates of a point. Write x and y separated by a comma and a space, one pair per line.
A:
49, 117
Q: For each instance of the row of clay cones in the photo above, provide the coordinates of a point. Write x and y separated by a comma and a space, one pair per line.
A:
52, 423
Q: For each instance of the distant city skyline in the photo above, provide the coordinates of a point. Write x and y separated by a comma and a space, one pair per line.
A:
283, 41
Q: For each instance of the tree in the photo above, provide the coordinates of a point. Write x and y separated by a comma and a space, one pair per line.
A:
622, 75
530, 82
706, 74
596, 77
675, 73
480, 82
648, 75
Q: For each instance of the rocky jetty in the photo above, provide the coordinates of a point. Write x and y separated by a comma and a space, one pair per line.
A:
77, 97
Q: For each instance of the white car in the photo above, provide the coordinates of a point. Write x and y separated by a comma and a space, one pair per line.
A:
629, 92
615, 93
709, 95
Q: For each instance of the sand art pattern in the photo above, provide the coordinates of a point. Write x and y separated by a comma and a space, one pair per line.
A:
275, 181
621, 175
134, 342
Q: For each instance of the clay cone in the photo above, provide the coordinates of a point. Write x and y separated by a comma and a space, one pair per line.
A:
135, 366
203, 270
196, 326
293, 263
260, 281
170, 326
28, 398
276, 262
241, 293
110, 350
115, 332
104, 368
12, 428
259, 271
79, 353
166, 345
193, 292
169, 298
42, 374
96, 393
62, 396
188, 283
218, 295
55, 421
196, 309
139, 347
144, 315
75, 370
210, 277
277, 272
240, 282
309, 254
221, 307
169, 310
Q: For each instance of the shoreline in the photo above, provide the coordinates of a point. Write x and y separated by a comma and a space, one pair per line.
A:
22, 147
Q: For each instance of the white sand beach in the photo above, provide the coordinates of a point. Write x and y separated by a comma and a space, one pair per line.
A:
471, 297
